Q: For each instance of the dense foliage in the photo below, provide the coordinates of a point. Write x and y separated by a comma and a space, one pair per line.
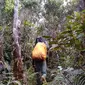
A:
71, 40
57, 21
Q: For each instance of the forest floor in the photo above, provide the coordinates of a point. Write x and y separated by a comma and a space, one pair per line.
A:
57, 76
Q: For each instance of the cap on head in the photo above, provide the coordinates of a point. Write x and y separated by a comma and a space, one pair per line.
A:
39, 39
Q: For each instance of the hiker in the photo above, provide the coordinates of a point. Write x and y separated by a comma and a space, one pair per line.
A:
39, 55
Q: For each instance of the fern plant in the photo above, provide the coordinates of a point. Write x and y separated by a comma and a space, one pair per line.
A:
79, 79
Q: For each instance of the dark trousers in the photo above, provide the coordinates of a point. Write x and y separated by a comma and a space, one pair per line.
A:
40, 68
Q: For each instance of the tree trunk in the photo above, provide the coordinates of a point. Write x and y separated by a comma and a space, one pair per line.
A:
1, 55
18, 64
1, 50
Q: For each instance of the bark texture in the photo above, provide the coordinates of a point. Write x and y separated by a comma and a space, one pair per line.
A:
2, 64
18, 64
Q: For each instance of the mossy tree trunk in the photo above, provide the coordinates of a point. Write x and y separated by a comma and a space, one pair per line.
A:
18, 64
2, 64
1, 54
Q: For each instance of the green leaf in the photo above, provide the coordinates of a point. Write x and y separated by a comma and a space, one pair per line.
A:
77, 14
83, 50
56, 48
28, 23
52, 42
83, 11
9, 5
70, 17
47, 37
0, 28
67, 31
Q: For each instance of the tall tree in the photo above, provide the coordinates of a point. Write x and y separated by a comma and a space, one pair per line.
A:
1, 50
18, 64
1, 35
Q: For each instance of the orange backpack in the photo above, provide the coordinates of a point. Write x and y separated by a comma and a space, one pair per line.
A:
40, 51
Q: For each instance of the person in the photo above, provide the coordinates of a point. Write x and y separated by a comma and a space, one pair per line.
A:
39, 55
